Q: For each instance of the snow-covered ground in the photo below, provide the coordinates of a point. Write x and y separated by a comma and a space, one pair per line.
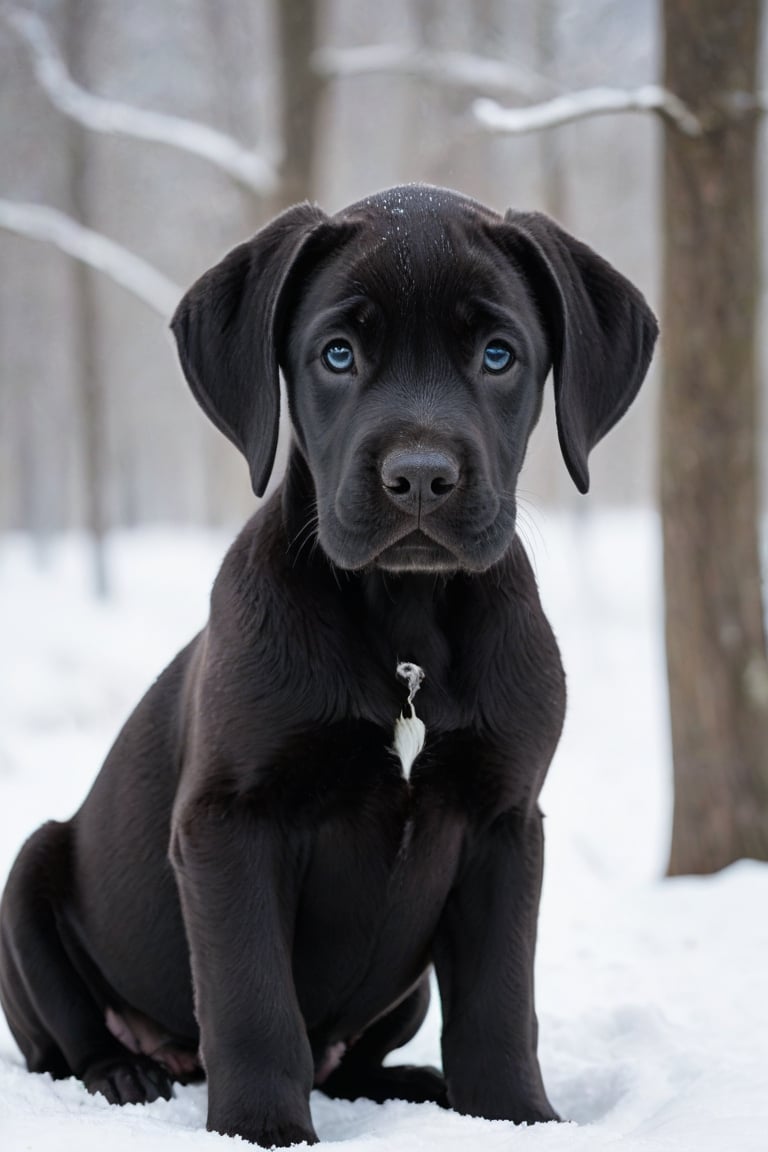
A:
652, 994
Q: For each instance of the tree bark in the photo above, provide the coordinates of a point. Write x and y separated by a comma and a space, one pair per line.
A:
297, 26
550, 144
85, 309
715, 634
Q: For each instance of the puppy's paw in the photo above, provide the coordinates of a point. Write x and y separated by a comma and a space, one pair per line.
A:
538, 1114
414, 1083
286, 1135
530, 1112
269, 1135
128, 1080
533, 1108
417, 1085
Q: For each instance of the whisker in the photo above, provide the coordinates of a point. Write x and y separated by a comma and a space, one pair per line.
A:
529, 527
307, 533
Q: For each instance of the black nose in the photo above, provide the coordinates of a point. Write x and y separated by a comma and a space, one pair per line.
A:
419, 481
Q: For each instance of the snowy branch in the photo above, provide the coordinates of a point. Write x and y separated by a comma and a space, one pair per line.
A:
251, 169
740, 104
590, 102
38, 222
457, 69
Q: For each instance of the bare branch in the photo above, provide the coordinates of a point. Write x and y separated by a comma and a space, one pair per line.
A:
590, 102
39, 222
251, 169
457, 69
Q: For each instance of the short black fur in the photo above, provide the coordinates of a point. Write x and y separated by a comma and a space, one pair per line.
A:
253, 887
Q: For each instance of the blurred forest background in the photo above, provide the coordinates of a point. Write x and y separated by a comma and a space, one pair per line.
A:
222, 63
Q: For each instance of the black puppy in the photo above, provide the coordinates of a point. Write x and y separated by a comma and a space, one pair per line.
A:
258, 883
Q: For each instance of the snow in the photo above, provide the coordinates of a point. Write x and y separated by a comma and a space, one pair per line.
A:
458, 69
651, 993
589, 102
254, 170
38, 222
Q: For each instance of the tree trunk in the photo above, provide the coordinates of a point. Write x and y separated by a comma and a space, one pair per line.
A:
716, 652
549, 141
297, 39
85, 307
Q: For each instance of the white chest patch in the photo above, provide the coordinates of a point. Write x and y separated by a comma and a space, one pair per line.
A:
409, 729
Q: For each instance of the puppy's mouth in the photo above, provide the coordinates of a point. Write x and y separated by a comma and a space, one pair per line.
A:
416, 552
372, 537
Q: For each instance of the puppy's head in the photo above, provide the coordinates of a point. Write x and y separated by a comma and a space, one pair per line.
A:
415, 331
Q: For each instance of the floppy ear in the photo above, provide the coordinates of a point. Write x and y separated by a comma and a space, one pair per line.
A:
601, 330
226, 329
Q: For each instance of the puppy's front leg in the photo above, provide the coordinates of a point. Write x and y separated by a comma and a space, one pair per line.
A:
484, 954
238, 875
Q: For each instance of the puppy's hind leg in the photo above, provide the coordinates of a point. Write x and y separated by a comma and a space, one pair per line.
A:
54, 1016
361, 1072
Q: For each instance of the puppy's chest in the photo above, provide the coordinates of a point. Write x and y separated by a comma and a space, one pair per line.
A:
401, 736
382, 862
394, 770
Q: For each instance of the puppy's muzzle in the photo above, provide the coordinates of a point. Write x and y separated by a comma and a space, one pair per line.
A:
419, 481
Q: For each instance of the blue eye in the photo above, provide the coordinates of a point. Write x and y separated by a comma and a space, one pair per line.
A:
338, 356
497, 357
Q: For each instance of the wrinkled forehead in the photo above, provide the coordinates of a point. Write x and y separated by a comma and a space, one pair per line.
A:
422, 257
